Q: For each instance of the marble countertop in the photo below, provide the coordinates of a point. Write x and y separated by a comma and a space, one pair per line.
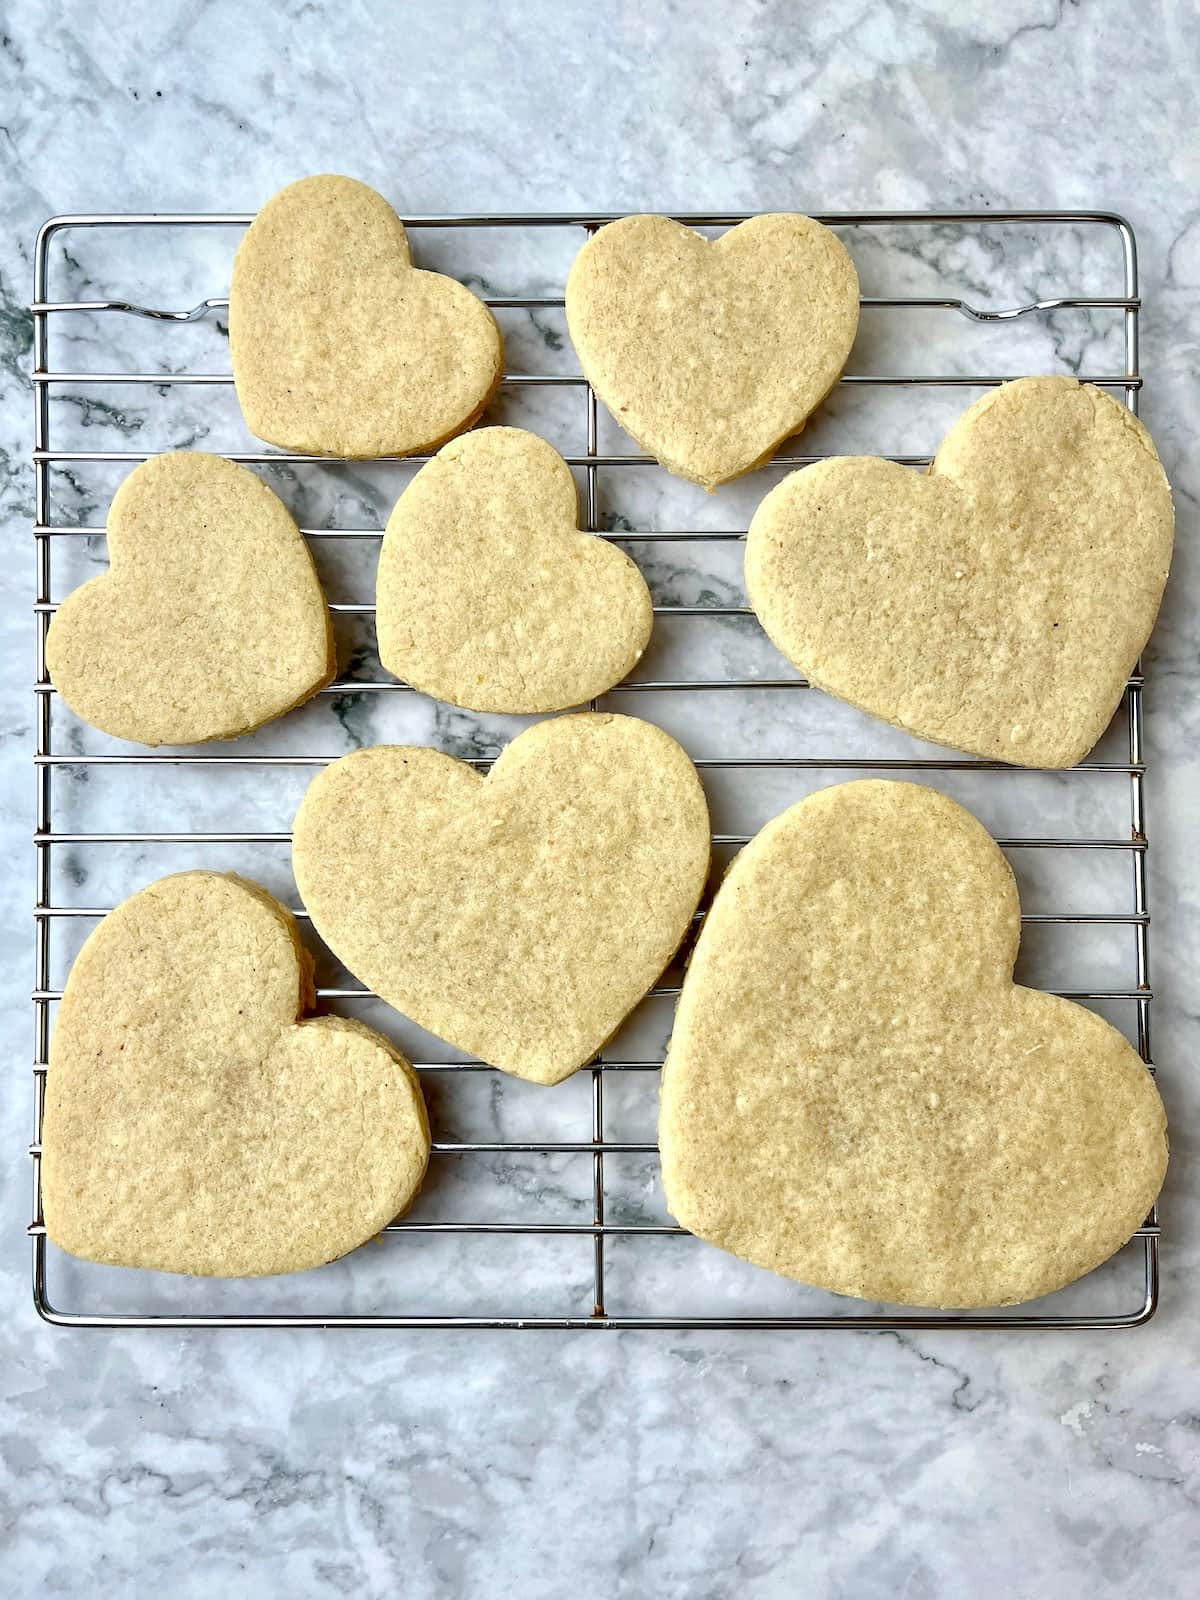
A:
857, 1465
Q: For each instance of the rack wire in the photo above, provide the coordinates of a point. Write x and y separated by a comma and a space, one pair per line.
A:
602, 1228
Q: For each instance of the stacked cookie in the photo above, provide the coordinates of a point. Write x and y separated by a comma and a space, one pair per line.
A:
825, 1112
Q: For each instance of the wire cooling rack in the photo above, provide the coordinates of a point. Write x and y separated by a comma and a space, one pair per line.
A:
605, 1230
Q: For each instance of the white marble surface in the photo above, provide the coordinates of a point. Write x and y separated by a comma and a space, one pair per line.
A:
760, 1464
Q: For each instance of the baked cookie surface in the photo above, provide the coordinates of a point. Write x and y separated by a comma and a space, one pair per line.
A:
341, 346
521, 915
210, 621
490, 597
996, 604
192, 1123
858, 1096
711, 353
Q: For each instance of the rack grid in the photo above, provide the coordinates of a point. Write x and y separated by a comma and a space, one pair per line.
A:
592, 462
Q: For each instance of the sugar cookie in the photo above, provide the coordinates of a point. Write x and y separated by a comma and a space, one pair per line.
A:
712, 353
858, 1095
211, 619
996, 604
488, 594
192, 1124
520, 916
340, 346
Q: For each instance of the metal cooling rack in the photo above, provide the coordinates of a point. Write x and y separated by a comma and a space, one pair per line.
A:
1092, 225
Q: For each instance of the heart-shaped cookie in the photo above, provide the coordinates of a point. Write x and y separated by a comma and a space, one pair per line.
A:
712, 352
340, 346
858, 1095
490, 597
996, 604
191, 1123
520, 916
211, 619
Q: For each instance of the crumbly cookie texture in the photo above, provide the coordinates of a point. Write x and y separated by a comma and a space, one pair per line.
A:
192, 1123
522, 915
210, 620
490, 597
996, 604
711, 353
857, 1095
341, 346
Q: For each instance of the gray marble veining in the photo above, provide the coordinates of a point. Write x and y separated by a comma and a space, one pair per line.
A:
440, 1464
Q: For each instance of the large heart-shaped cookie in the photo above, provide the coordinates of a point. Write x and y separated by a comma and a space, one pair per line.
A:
521, 916
712, 353
191, 1123
858, 1095
211, 620
996, 604
490, 597
342, 347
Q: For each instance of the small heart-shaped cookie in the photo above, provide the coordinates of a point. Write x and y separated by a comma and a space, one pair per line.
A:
858, 1095
490, 597
996, 604
211, 620
191, 1123
340, 346
520, 916
712, 353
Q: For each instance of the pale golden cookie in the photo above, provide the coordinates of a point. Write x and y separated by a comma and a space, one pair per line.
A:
340, 346
857, 1095
490, 597
996, 604
520, 916
192, 1124
211, 619
712, 352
